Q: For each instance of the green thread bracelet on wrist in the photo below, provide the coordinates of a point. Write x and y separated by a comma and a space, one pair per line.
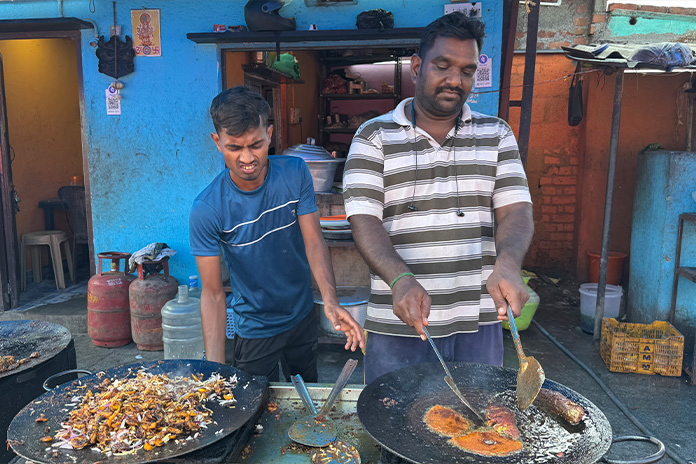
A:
396, 279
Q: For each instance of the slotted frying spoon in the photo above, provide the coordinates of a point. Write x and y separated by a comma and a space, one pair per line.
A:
530, 375
318, 429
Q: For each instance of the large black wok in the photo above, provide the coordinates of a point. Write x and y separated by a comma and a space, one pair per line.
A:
391, 409
24, 433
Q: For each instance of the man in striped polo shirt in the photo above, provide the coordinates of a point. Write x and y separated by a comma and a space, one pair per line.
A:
437, 199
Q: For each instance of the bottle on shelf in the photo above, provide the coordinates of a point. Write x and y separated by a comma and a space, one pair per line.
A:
194, 289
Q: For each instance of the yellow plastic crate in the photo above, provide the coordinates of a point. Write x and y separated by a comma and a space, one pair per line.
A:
656, 348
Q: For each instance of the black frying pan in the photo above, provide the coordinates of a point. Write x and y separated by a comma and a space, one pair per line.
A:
24, 433
391, 409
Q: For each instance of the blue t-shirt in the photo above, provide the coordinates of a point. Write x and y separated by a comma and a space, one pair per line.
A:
261, 239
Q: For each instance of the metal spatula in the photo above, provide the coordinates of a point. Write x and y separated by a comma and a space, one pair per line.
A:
530, 376
449, 380
318, 429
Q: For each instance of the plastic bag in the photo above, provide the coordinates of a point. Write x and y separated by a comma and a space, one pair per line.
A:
666, 54
575, 109
375, 19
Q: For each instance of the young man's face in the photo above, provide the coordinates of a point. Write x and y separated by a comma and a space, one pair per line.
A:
246, 155
444, 77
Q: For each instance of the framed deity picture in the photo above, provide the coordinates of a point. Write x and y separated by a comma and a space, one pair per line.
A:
146, 32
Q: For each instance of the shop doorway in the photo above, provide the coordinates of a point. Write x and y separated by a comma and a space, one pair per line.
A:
42, 150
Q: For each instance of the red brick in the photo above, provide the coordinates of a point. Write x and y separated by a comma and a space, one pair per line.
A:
563, 218
563, 200
546, 200
593, 29
541, 45
599, 18
569, 209
545, 218
622, 6
549, 209
682, 11
569, 191
546, 244
581, 9
546, 34
580, 40
573, 160
557, 45
566, 170
561, 237
559, 254
520, 35
568, 227
580, 31
553, 227
565, 180
545, 181
551, 160
519, 44
581, 22
651, 8
548, 190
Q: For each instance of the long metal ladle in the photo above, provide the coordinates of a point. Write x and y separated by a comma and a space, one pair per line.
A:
449, 380
530, 376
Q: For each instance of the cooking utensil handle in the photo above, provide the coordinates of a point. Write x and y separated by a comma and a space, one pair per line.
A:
61, 374
348, 369
437, 352
515, 335
656, 456
303, 392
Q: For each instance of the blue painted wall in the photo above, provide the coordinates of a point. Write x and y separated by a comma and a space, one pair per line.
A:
664, 185
147, 165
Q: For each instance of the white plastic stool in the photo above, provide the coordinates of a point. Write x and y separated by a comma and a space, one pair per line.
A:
53, 239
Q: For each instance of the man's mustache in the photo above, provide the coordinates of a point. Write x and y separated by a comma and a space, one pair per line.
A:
451, 89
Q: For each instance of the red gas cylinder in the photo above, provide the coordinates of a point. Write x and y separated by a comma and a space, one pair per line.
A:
108, 311
147, 296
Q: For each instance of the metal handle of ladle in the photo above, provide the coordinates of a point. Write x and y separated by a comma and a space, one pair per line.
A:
656, 456
515, 334
303, 392
61, 374
348, 369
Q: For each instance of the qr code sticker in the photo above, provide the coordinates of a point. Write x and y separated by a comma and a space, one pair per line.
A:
112, 103
483, 76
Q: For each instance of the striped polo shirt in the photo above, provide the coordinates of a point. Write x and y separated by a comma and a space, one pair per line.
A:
392, 165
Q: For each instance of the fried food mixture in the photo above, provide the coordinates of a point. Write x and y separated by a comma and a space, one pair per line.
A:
143, 412
445, 421
487, 443
337, 452
499, 437
7, 363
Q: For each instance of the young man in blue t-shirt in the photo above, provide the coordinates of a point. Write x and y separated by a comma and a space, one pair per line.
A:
262, 212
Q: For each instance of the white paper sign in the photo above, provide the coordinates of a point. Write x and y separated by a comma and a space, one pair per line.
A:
113, 101
484, 72
471, 9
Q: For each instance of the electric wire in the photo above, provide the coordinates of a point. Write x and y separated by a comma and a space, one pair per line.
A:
606, 389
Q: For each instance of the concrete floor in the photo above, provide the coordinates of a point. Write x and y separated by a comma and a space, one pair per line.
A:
665, 406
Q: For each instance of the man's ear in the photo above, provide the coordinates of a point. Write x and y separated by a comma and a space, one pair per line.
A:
416, 63
269, 131
216, 139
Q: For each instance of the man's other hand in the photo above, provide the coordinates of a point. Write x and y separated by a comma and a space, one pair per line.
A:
505, 286
411, 303
342, 320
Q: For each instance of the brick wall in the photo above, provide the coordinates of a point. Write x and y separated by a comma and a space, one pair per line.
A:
555, 232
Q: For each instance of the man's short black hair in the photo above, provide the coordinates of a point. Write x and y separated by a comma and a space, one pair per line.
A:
457, 25
238, 110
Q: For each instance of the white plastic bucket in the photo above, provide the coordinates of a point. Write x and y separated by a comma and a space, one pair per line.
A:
588, 304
